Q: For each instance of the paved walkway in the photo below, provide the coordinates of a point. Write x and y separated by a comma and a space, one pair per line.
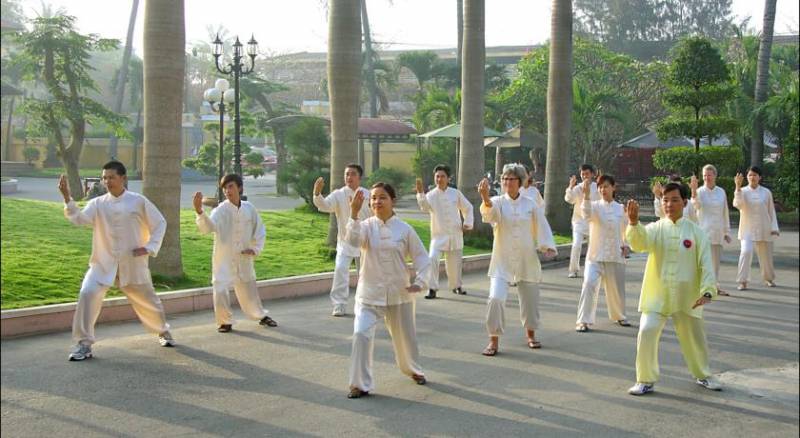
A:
292, 380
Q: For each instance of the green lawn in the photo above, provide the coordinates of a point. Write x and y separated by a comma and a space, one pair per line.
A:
44, 257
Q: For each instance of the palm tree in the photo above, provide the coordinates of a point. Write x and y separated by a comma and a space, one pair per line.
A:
559, 111
421, 62
344, 86
164, 68
471, 159
122, 77
762, 77
371, 85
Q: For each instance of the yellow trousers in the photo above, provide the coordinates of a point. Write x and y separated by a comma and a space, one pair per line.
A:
691, 335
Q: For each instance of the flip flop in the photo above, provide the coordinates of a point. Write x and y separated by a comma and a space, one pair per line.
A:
722, 293
420, 379
357, 393
533, 343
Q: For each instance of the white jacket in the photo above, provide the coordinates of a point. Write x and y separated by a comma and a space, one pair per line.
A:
757, 218
446, 208
712, 213
338, 203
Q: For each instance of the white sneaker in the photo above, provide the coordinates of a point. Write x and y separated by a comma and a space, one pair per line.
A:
572, 275
165, 340
339, 310
641, 388
710, 382
80, 352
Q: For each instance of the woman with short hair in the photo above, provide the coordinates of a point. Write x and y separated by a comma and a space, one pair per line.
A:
711, 204
518, 224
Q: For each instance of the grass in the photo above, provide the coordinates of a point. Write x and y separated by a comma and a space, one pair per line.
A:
44, 257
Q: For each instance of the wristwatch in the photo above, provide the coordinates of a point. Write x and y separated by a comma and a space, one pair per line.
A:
707, 294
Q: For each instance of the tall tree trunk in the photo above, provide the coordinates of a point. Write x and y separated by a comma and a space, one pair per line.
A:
559, 113
460, 25
372, 87
471, 158
9, 129
281, 187
164, 66
122, 78
344, 88
762, 78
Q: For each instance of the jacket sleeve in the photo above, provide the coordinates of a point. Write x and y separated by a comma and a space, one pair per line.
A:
157, 225
259, 233
772, 215
708, 281
726, 217
79, 217
638, 237
325, 204
658, 208
467, 211
355, 235
542, 232
419, 258
569, 195
490, 215
207, 224
422, 201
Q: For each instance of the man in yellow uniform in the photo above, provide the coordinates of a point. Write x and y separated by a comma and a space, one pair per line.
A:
678, 281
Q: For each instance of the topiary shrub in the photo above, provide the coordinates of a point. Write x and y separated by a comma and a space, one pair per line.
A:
400, 180
31, 154
685, 161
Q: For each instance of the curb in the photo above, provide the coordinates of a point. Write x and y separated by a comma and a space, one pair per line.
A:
58, 317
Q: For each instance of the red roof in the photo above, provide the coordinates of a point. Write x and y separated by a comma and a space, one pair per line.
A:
367, 126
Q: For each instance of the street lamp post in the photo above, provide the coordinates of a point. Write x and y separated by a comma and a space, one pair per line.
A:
216, 97
236, 68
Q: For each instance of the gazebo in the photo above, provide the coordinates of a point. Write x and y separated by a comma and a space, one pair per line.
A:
377, 131
517, 137
454, 131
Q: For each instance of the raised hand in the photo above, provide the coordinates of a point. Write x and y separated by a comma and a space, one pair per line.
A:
587, 190
483, 188
633, 211
693, 183
63, 187
197, 202
573, 180
419, 188
738, 180
658, 190
318, 184
356, 203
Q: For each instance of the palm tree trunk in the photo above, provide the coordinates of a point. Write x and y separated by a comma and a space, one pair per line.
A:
122, 78
559, 112
372, 87
164, 68
344, 88
762, 77
460, 24
471, 158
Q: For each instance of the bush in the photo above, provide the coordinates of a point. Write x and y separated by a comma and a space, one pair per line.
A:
442, 151
309, 149
685, 161
401, 181
724, 182
31, 154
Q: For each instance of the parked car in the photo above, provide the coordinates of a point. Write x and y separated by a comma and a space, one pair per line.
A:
270, 163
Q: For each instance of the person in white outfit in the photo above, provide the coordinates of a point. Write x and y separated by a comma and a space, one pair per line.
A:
758, 226
689, 211
580, 228
338, 203
238, 239
529, 190
451, 214
519, 227
384, 287
127, 229
605, 258
711, 204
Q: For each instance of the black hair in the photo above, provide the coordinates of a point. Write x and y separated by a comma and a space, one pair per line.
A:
677, 186
588, 167
443, 167
356, 167
676, 179
387, 187
604, 178
116, 166
232, 177
755, 169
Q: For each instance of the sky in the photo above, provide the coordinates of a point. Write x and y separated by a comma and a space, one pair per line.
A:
288, 26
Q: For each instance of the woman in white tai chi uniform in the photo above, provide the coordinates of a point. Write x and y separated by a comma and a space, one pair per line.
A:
519, 229
451, 214
127, 230
384, 289
580, 229
605, 258
711, 204
758, 226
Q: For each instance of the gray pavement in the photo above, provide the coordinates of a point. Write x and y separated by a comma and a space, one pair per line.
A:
292, 380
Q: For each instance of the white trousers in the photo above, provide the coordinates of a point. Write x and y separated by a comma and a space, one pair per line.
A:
400, 321
609, 275
691, 335
528, 305
575, 253
143, 300
452, 264
764, 252
340, 289
248, 297
716, 257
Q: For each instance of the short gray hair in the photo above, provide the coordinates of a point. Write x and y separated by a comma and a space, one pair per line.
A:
518, 170
710, 167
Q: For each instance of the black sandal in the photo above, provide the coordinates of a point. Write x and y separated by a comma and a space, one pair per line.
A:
357, 393
267, 321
